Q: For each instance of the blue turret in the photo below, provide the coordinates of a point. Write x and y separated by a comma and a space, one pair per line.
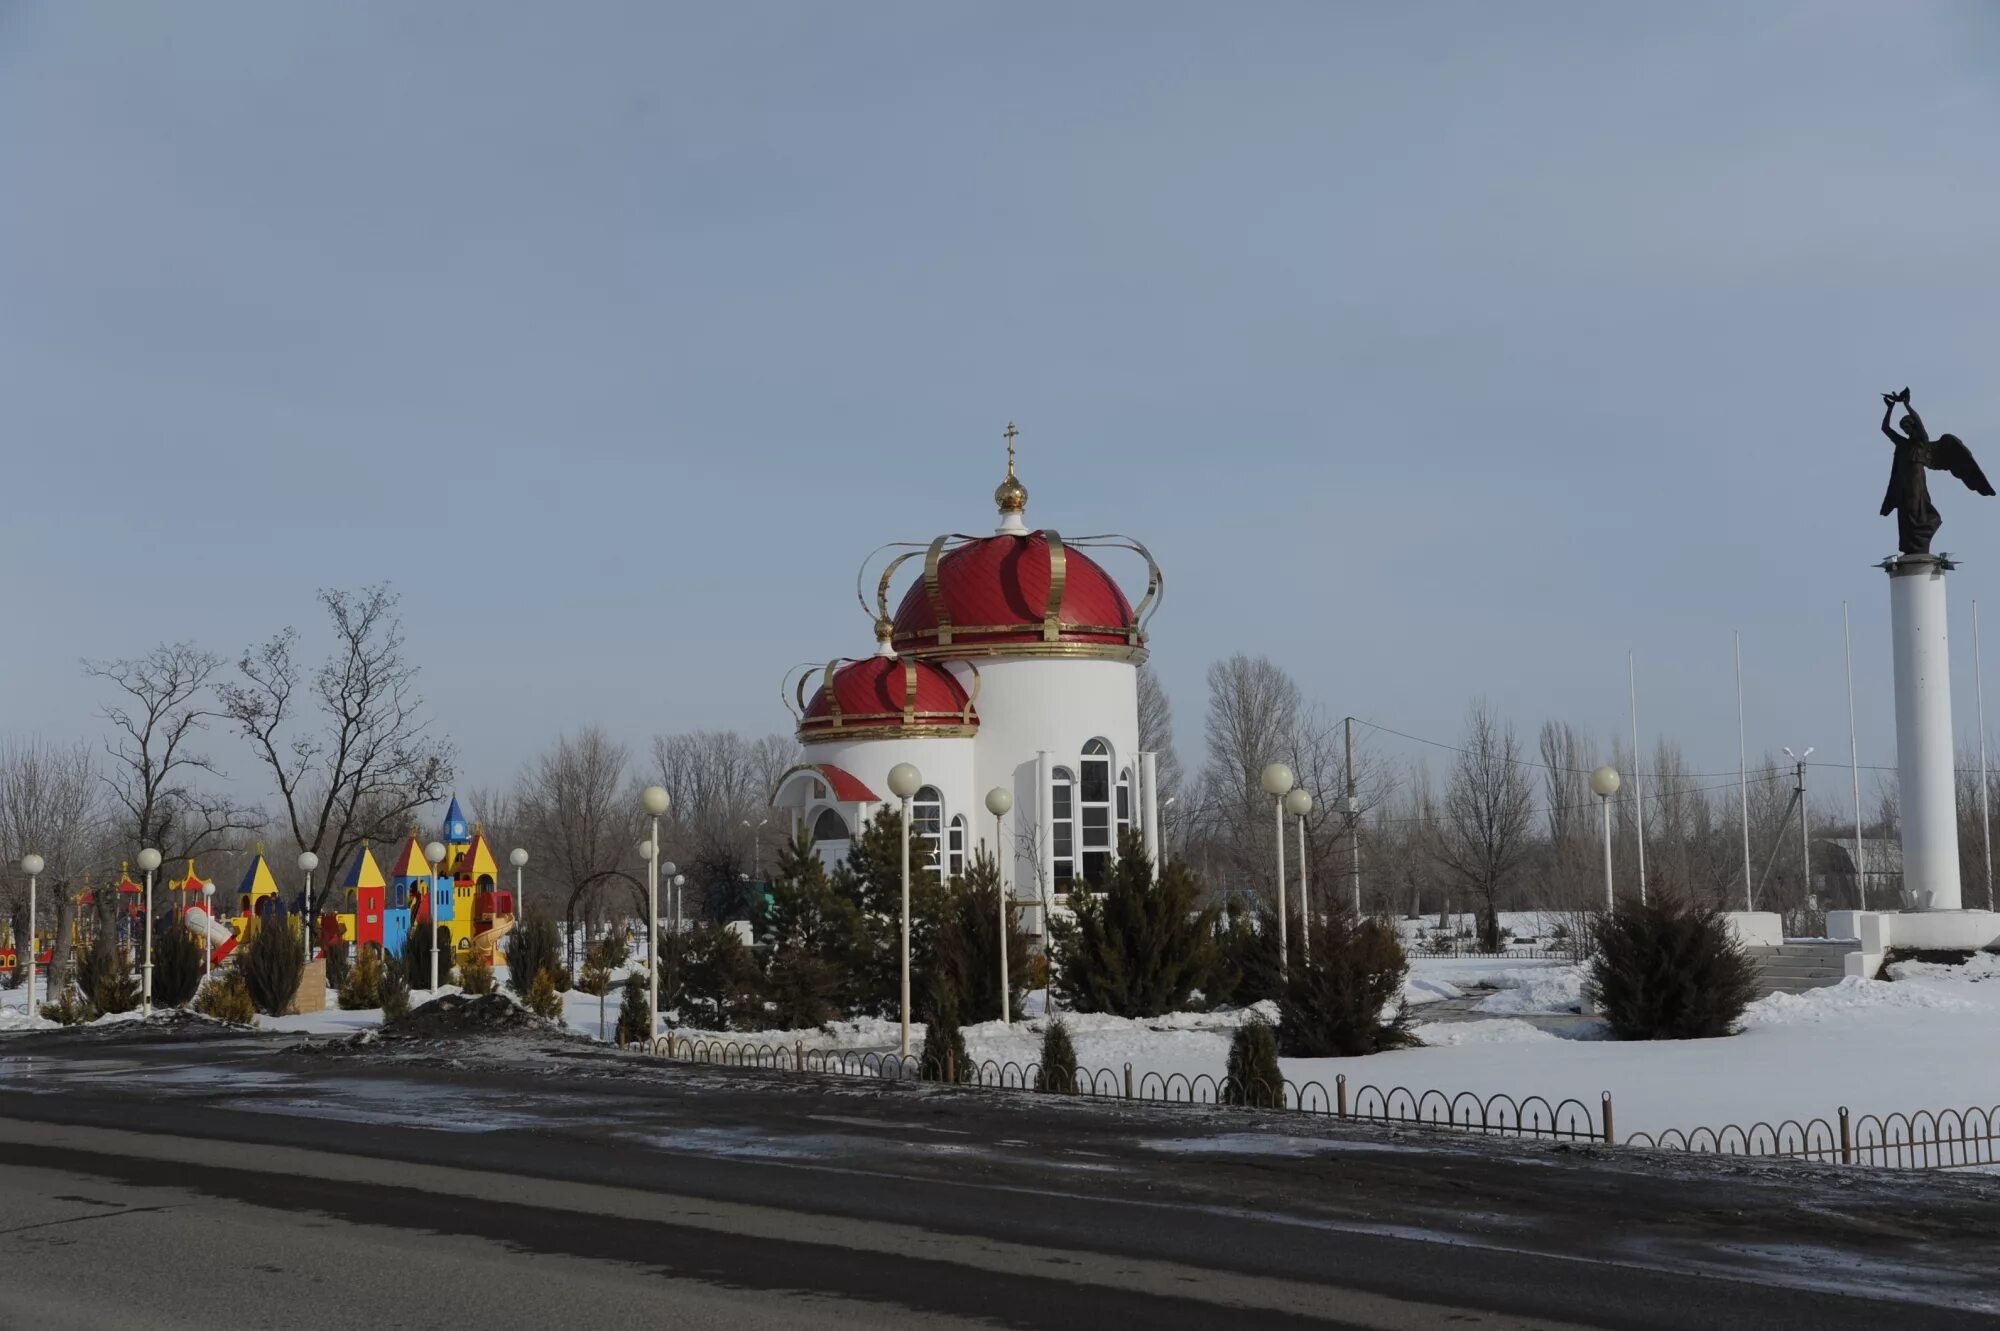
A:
457, 831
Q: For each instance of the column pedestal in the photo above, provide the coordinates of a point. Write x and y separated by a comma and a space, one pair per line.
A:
1928, 794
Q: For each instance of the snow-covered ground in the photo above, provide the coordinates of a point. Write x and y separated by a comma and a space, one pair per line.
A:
1929, 1040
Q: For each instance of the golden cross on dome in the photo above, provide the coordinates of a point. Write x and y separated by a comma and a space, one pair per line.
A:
1010, 432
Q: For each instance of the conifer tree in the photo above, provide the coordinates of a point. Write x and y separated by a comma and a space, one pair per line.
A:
1145, 946
531, 949
1253, 1076
1057, 1071
815, 938
107, 979
871, 878
966, 944
635, 1010
177, 963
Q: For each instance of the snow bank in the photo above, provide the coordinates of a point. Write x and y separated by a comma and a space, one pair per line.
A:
1837, 1002
1981, 966
1543, 989
1445, 1034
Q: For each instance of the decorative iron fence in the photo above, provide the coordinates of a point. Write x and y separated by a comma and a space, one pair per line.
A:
1926, 1139
1493, 1115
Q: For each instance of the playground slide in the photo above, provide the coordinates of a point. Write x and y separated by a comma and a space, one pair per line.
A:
486, 941
220, 936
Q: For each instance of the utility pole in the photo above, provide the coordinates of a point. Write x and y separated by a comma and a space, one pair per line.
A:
1353, 825
1805, 835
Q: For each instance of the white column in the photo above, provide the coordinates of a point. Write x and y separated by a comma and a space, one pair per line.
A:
1150, 810
1928, 794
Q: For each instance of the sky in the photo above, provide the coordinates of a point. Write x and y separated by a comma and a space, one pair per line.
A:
1436, 350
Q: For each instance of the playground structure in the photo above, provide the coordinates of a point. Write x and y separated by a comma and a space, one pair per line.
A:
126, 916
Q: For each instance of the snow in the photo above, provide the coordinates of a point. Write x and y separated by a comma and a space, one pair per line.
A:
1542, 989
1450, 1034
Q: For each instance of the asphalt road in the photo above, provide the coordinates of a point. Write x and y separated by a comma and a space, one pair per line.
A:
247, 1184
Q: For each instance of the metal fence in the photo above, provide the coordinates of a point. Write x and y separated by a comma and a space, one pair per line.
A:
1925, 1139
1493, 1115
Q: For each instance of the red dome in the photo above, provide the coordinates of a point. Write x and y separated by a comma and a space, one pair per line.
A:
1027, 594
885, 696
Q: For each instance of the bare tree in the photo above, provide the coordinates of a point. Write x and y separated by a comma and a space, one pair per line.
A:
1253, 714
48, 807
157, 718
585, 823
346, 745
721, 785
1488, 812
1156, 736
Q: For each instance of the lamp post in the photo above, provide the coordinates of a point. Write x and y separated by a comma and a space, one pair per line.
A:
1165, 804
756, 846
519, 859
678, 881
149, 860
1604, 784
207, 929
656, 801
670, 874
307, 863
998, 801
434, 852
32, 866
1299, 803
1278, 782
904, 781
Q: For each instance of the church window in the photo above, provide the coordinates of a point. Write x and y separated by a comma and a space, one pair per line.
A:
1062, 826
955, 847
927, 823
830, 826
1094, 809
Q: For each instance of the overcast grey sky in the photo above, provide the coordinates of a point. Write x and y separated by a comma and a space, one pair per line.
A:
1435, 349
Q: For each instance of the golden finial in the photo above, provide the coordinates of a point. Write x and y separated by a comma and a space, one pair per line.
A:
1011, 496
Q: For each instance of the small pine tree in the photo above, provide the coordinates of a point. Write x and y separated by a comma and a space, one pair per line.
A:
871, 880
1253, 1076
107, 979
69, 1008
177, 963
722, 987
816, 940
1146, 946
1664, 971
1332, 1005
475, 976
226, 997
533, 947
417, 956
272, 963
339, 959
966, 948
944, 1056
363, 987
635, 1010
543, 1000
395, 994
1058, 1062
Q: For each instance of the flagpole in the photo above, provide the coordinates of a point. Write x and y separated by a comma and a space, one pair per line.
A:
1742, 773
1638, 782
1854, 749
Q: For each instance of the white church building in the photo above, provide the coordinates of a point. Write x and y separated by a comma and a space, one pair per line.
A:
1010, 662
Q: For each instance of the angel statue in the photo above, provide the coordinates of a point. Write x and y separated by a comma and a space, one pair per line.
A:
1909, 496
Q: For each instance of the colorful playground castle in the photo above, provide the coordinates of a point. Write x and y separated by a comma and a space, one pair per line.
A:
368, 906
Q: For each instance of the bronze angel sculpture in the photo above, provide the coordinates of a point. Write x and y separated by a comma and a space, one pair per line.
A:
1909, 496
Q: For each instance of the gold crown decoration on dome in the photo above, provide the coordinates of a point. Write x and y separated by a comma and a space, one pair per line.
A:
1011, 496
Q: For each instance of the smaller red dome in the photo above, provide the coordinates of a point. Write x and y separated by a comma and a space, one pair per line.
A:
885, 697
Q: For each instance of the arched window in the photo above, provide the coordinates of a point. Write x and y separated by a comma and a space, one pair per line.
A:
927, 823
830, 826
1124, 801
1094, 810
350, 899
1062, 826
954, 849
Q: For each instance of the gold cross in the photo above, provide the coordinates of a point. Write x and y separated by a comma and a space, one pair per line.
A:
1011, 432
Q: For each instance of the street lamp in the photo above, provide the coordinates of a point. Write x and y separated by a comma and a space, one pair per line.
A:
435, 854
519, 859
149, 860
904, 781
669, 873
1299, 803
1604, 784
756, 845
998, 801
32, 866
1165, 804
1805, 836
655, 801
307, 863
207, 929
1278, 782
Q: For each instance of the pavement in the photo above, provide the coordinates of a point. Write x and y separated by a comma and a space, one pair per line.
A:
196, 1178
